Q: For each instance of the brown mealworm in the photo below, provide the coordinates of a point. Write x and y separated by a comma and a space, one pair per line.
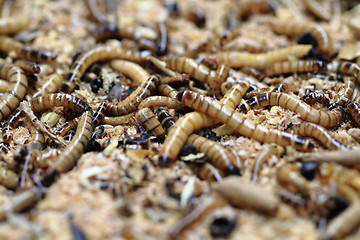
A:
286, 67
10, 124
316, 97
344, 96
353, 109
147, 118
167, 90
36, 136
3, 85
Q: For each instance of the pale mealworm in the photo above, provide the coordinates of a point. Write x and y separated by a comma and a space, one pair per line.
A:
295, 67
3, 85
120, 120
167, 90
215, 84
131, 69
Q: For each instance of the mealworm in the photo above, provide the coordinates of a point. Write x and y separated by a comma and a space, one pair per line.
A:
307, 113
162, 42
8, 44
148, 119
209, 173
167, 90
238, 122
8, 178
67, 127
353, 109
317, 9
99, 53
316, 97
133, 70
193, 121
46, 158
10, 124
348, 68
27, 66
3, 85
259, 60
18, 85
179, 80
289, 176
215, 85
166, 120
51, 85
298, 27
120, 120
99, 114
130, 103
286, 88
11, 25
221, 157
294, 67
160, 101
344, 96
36, 136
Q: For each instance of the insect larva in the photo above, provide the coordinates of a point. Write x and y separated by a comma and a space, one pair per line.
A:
36, 136
3, 85
294, 67
162, 66
10, 124
289, 176
8, 178
104, 32
11, 25
99, 114
307, 113
27, 66
344, 96
259, 60
179, 80
286, 88
46, 158
316, 97
317, 9
99, 53
51, 85
353, 109
307, 129
215, 85
18, 85
148, 119
166, 120
209, 172
130, 103
238, 122
193, 121
133, 70
348, 68
297, 28
120, 120
8, 44
167, 90
20, 201
67, 127
221, 157
160, 101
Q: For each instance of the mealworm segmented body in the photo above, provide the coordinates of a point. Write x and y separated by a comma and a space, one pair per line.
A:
294, 67
349, 68
210, 173
215, 85
260, 60
99, 53
326, 119
36, 136
316, 97
27, 66
289, 175
239, 123
167, 90
166, 120
160, 101
53, 84
120, 120
133, 70
344, 96
321, 134
10, 124
130, 103
353, 109
148, 119
18, 85
3, 85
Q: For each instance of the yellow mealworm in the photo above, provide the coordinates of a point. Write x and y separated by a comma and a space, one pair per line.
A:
295, 27
294, 67
130, 103
353, 109
187, 124
3, 85
133, 70
18, 85
344, 96
10, 124
8, 178
51, 85
36, 136
319, 133
148, 119
289, 176
238, 122
221, 157
260, 60
99, 53
215, 85
160, 101
11, 25
27, 66
8, 44
167, 90
209, 173
121, 120
316, 97
307, 113
317, 9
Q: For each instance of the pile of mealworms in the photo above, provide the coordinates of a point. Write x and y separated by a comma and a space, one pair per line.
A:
179, 119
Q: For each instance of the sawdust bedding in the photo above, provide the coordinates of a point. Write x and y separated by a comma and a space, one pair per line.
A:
117, 190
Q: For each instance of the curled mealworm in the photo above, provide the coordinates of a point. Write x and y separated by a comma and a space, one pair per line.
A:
326, 119
148, 119
299, 27
99, 53
133, 70
121, 120
209, 172
187, 124
27, 66
240, 59
317, 9
51, 85
221, 157
294, 67
344, 96
10, 124
238, 122
160, 101
130, 103
8, 44
289, 176
11, 25
8, 178
316, 97
18, 84
321, 134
